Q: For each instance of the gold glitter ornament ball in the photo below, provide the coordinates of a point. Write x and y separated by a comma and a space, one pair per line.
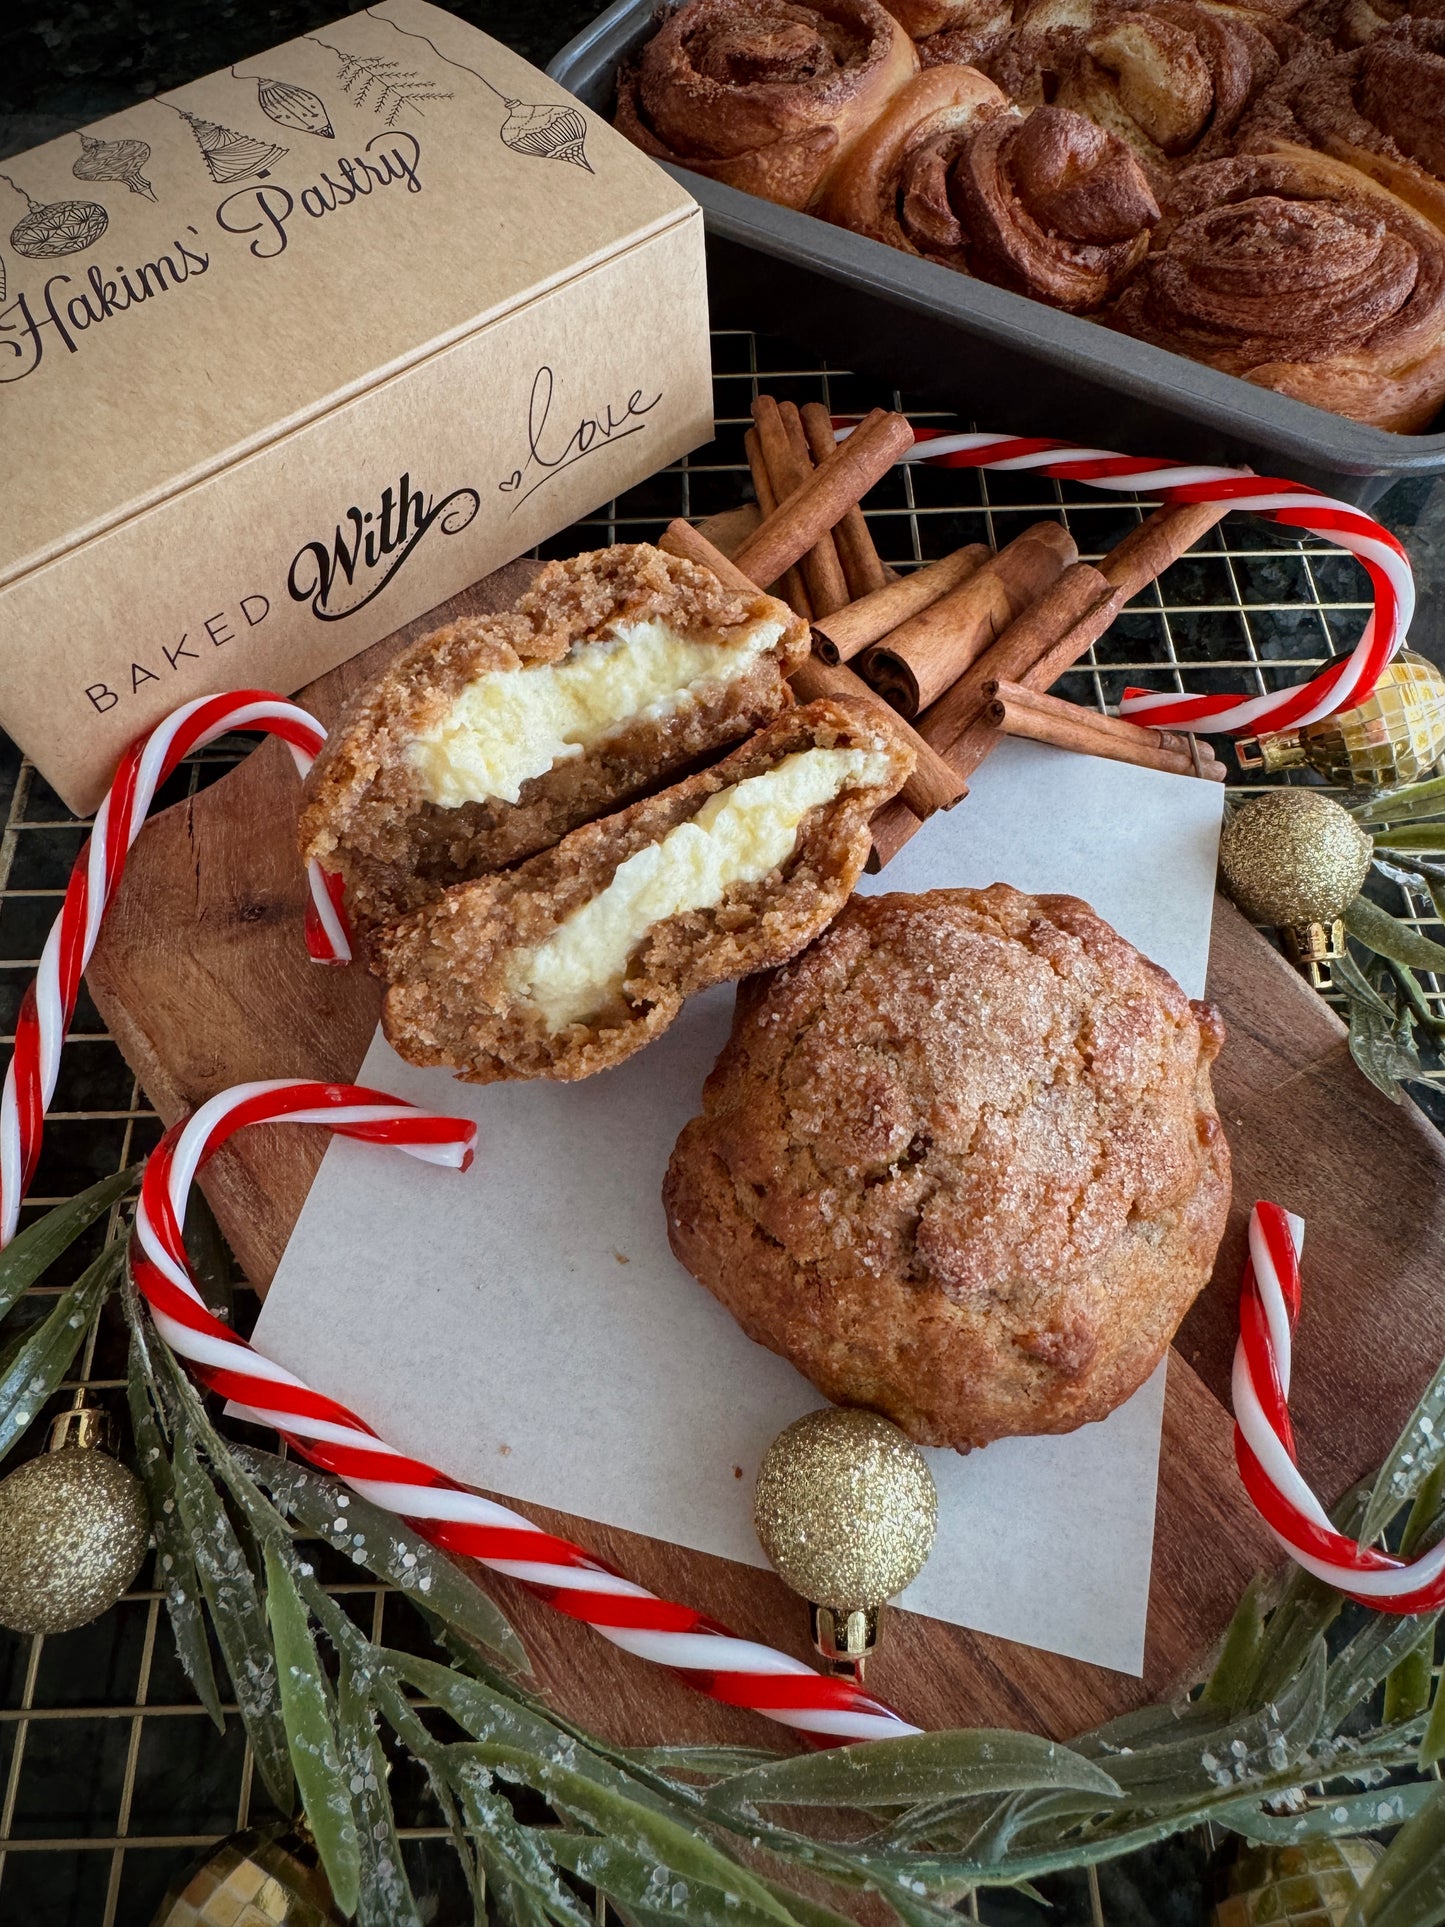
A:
846, 1508
73, 1530
1293, 857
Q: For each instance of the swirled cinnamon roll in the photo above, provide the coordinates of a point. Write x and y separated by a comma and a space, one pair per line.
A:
1050, 206
974, 30
1303, 275
765, 95
1171, 78
1361, 20
1382, 108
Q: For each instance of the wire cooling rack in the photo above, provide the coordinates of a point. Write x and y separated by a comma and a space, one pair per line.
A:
111, 1777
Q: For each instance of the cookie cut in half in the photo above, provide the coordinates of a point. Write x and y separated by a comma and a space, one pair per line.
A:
960, 1163
581, 955
490, 739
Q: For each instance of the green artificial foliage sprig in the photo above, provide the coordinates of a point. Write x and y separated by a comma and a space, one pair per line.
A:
1318, 1719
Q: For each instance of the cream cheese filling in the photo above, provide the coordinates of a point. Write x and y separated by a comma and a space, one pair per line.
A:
507, 727
738, 836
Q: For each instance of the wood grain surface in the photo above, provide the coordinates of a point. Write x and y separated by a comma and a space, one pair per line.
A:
203, 978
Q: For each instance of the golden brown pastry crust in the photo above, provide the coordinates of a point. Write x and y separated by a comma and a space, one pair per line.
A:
960, 1163
1303, 275
975, 29
449, 1000
1381, 108
1051, 206
1172, 78
363, 813
764, 95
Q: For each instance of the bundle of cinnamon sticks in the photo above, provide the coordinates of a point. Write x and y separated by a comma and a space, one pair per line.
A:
962, 651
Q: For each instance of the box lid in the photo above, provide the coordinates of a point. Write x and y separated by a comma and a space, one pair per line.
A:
189, 280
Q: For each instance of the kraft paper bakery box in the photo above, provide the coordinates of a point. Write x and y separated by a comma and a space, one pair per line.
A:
294, 353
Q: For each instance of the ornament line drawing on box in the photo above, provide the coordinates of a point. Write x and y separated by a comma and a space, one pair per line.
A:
229, 156
385, 84
550, 130
52, 228
291, 106
122, 160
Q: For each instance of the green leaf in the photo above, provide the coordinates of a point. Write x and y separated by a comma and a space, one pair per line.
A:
521, 1873
1387, 936
1371, 1656
35, 1370
712, 1762
1382, 1050
235, 1608
1407, 1888
1415, 1455
385, 1545
922, 1766
1326, 1818
514, 1728
29, 1256
1408, 1683
637, 1883
209, 1254
619, 1816
384, 1897
1422, 839
311, 1735
174, 1564
1432, 1740
1227, 1688
1400, 806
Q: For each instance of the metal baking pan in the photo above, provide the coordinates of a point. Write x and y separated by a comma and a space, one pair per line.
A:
1005, 361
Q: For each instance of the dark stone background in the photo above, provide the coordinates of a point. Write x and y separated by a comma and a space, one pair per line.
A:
61, 67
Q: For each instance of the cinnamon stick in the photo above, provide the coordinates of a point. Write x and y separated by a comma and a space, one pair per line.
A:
681, 538
789, 585
926, 655
1157, 543
862, 565
891, 827
1044, 642
1056, 630
835, 485
784, 447
846, 633
1021, 711
933, 784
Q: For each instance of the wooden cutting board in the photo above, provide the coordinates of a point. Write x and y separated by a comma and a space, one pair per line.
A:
203, 978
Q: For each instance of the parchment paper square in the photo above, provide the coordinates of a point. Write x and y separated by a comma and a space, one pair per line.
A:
526, 1327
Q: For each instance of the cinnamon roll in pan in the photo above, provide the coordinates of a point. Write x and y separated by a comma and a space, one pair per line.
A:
1382, 108
1051, 205
976, 29
1303, 275
1172, 79
764, 95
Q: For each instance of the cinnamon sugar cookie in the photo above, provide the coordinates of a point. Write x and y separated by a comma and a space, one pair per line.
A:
960, 1163
583, 954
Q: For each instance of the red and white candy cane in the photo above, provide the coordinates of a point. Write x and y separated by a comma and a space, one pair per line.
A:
1292, 504
1264, 1446
49, 1001
739, 1672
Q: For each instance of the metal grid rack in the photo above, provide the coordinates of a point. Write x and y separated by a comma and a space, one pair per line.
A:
111, 1777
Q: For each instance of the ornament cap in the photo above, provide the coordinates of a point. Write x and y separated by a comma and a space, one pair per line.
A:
86, 1426
1313, 947
1285, 750
845, 1641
